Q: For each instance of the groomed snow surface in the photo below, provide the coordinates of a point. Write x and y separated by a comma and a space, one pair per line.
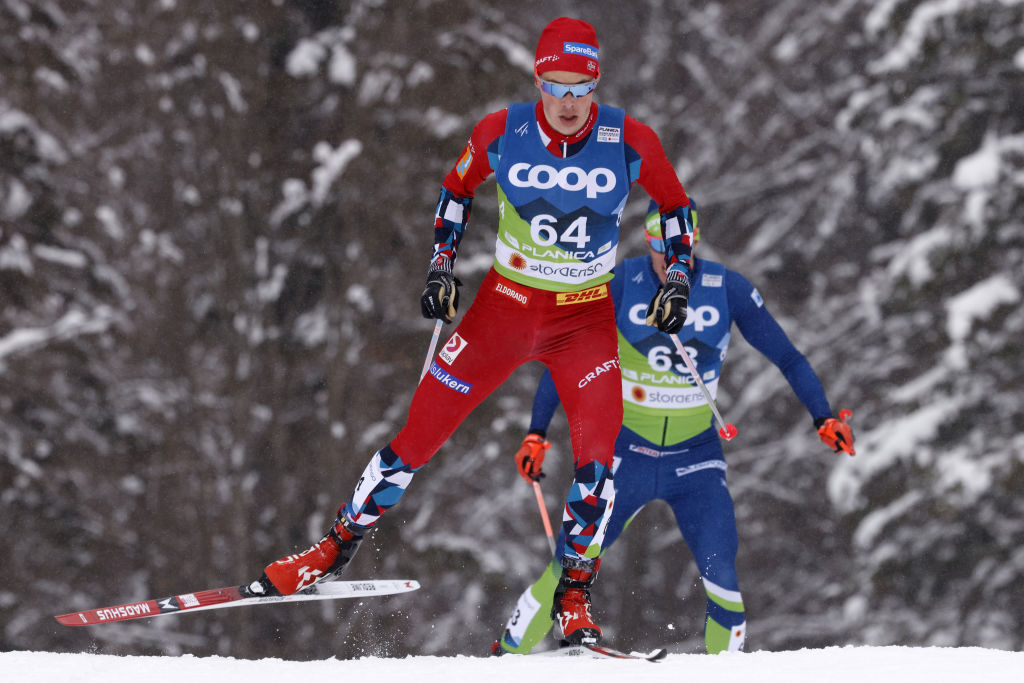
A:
830, 665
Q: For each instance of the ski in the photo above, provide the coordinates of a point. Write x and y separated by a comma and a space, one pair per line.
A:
232, 596
602, 652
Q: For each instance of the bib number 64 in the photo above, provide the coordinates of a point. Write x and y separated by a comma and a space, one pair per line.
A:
544, 231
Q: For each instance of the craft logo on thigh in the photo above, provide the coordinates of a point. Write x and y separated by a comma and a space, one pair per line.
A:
452, 348
599, 370
582, 296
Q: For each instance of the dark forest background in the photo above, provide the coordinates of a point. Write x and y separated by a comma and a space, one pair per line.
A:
215, 219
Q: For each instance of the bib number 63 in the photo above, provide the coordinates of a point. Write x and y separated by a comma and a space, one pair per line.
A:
663, 359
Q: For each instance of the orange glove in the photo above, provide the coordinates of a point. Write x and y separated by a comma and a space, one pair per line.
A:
835, 433
530, 457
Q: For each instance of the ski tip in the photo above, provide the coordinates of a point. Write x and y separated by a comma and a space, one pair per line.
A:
75, 619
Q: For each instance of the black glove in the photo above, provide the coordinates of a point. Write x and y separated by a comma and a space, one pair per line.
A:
667, 311
440, 298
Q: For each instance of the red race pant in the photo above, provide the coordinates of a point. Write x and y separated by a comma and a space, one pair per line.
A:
572, 333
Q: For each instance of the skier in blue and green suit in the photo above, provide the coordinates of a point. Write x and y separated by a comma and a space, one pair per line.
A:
668, 448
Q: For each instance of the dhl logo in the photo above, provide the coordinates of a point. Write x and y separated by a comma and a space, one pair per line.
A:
582, 296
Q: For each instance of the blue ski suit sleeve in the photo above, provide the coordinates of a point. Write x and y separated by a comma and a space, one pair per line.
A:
765, 334
545, 401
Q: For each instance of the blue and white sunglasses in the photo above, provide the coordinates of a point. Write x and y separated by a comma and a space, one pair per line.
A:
560, 90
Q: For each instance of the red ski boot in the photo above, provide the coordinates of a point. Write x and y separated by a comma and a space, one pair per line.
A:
325, 560
571, 607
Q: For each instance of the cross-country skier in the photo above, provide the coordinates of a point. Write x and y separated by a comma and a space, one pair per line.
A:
667, 448
563, 166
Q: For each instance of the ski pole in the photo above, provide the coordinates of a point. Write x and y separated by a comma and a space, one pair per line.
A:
544, 516
726, 431
433, 345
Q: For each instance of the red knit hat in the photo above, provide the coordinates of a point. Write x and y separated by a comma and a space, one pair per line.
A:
567, 45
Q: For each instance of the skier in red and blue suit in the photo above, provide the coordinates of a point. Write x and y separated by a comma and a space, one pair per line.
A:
563, 167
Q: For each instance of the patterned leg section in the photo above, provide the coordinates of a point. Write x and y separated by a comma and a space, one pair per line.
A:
588, 510
726, 627
383, 482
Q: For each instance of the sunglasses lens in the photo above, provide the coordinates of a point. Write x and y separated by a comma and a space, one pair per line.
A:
583, 88
560, 90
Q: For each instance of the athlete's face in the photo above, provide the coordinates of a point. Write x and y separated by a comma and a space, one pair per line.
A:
565, 114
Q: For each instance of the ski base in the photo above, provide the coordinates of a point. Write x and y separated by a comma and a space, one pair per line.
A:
232, 596
604, 652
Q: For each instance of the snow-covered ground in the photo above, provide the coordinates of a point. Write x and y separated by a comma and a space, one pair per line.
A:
834, 665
